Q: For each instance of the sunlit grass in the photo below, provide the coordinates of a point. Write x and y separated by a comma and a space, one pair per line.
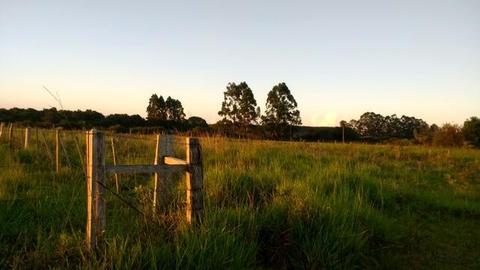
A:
268, 205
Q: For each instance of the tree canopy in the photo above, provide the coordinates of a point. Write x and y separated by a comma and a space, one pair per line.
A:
239, 105
471, 131
379, 127
281, 107
159, 109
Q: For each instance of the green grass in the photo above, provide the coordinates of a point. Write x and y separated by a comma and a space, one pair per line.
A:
269, 205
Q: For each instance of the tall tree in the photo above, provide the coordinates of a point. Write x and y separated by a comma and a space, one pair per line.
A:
153, 108
281, 107
162, 109
239, 104
174, 110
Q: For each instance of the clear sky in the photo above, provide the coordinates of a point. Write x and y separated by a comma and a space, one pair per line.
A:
339, 58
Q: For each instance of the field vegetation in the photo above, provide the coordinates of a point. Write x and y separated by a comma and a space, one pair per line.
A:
268, 205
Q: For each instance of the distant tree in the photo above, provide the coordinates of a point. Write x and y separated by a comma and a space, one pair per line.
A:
239, 105
174, 110
123, 120
448, 135
370, 125
471, 131
159, 109
51, 116
409, 126
162, 109
281, 107
154, 108
425, 135
196, 121
379, 127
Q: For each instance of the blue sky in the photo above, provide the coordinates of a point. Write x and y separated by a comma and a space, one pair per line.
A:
339, 58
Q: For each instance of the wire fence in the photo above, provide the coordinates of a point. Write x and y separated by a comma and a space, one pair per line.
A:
56, 151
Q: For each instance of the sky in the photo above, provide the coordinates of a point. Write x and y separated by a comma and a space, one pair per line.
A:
339, 58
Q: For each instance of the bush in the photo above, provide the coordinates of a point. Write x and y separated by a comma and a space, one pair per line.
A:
448, 135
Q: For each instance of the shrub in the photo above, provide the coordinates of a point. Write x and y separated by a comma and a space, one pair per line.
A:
448, 135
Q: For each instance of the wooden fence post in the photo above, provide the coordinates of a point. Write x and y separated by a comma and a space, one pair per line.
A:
164, 147
57, 150
194, 181
95, 187
27, 138
1, 129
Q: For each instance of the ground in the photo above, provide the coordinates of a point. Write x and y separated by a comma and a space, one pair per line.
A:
268, 205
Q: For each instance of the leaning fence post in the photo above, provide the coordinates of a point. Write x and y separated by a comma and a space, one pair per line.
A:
27, 138
95, 187
194, 181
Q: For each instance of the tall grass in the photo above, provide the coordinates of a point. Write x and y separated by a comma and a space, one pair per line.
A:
267, 205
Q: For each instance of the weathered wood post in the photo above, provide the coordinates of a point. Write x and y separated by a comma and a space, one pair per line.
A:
27, 138
194, 181
1, 129
162, 183
57, 150
95, 187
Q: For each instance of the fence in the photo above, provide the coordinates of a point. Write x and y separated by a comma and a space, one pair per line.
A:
163, 165
96, 170
23, 137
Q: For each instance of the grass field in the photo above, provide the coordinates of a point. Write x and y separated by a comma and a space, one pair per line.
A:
268, 205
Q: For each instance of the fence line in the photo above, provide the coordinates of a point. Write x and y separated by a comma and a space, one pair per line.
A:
163, 165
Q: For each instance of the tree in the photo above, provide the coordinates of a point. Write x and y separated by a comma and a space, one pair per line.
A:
471, 131
156, 108
174, 110
448, 135
281, 107
159, 109
196, 121
371, 125
239, 105
162, 109
379, 127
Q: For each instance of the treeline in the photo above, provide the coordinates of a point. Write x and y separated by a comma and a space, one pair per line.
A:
52, 118
373, 127
242, 118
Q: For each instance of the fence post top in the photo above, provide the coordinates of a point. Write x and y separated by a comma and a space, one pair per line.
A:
93, 131
192, 140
